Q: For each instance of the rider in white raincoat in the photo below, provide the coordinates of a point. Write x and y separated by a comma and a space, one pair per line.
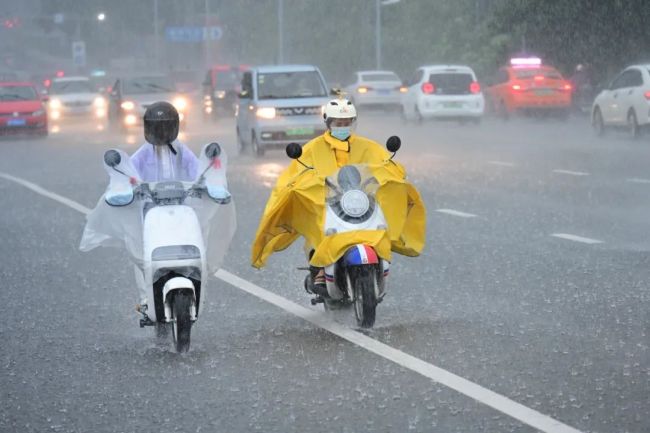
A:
117, 220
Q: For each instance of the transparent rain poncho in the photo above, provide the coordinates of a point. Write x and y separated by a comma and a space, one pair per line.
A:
121, 225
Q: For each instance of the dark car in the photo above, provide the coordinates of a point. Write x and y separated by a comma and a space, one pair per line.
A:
130, 97
220, 89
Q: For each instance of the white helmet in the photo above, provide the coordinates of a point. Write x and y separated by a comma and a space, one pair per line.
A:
339, 108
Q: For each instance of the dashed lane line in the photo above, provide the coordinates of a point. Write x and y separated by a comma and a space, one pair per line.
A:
571, 172
502, 163
638, 180
456, 213
575, 238
470, 389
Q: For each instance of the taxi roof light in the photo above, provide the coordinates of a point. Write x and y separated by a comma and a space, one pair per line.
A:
525, 61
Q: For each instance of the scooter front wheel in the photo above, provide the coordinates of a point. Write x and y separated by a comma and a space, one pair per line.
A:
364, 287
182, 323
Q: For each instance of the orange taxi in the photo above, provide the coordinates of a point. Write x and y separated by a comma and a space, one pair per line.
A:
528, 85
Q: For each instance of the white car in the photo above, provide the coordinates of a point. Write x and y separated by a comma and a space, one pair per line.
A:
375, 88
625, 103
443, 91
75, 97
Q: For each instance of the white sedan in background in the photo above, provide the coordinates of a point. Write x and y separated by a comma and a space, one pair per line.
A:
443, 92
375, 88
625, 103
75, 98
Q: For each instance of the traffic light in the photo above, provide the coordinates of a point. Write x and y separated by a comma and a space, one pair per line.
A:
11, 23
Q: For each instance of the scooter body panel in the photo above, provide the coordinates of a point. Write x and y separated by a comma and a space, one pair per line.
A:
172, 240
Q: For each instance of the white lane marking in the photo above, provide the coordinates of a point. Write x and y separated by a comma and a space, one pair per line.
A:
456, 213
570, 172
73, 204
470, 389
637, 180
489, 398
576, 238
502, 163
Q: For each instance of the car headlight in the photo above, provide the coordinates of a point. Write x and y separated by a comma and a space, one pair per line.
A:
180, 103
99, 102
220, 94
127, 105
266, 112
355, 203
38, 113
55, 103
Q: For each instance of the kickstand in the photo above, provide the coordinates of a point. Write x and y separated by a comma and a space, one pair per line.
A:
145, 320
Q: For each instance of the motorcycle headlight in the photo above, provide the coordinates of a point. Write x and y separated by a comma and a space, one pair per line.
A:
99, 102
55, 103
355, 203
180, 103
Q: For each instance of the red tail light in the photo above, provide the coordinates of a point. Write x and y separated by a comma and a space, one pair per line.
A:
428, 88
567, 87
539, 78
475, 87
647, 94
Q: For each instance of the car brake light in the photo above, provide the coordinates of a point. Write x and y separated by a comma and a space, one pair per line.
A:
567, 87
428, 88
647, 94
539, 78
475, 87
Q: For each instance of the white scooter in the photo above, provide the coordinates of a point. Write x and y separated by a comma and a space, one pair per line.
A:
174, 254
359, 276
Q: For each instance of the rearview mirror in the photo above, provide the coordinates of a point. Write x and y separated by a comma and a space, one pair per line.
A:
213, 150
112, 158
294, 151
393, 143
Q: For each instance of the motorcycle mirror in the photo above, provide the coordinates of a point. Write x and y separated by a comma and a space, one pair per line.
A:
213, 150
294, 151
112, 158
393, 143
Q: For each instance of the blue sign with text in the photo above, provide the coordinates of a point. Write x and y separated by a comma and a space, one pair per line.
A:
193, 34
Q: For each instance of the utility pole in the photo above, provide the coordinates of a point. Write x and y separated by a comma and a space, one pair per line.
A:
377, 34
206, 35
280, 31
156, 34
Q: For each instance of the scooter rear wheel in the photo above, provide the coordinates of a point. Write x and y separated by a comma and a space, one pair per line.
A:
182, 325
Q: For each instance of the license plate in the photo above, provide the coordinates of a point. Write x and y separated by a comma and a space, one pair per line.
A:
300, 131
452, 104
383, 91
543, 92
16, 122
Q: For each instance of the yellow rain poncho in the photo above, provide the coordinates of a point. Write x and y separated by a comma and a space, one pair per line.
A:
297, 204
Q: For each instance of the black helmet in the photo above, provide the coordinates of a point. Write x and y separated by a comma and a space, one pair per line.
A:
161, 124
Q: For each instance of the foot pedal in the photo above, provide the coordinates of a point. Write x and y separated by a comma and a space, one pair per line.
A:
145, 320
317, 300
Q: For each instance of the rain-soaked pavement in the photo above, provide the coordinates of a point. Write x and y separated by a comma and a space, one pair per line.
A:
533, 284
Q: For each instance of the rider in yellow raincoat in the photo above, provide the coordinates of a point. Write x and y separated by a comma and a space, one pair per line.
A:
297, 204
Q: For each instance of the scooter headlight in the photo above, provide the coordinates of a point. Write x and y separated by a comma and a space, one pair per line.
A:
355, 203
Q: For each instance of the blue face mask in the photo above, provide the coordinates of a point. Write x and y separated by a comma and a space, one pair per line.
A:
341, 132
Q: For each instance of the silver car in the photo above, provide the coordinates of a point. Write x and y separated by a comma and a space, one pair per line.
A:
375, 88
279, 105
73, 98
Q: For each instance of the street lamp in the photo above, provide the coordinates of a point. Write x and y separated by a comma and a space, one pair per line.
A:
378, 5
101, 16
